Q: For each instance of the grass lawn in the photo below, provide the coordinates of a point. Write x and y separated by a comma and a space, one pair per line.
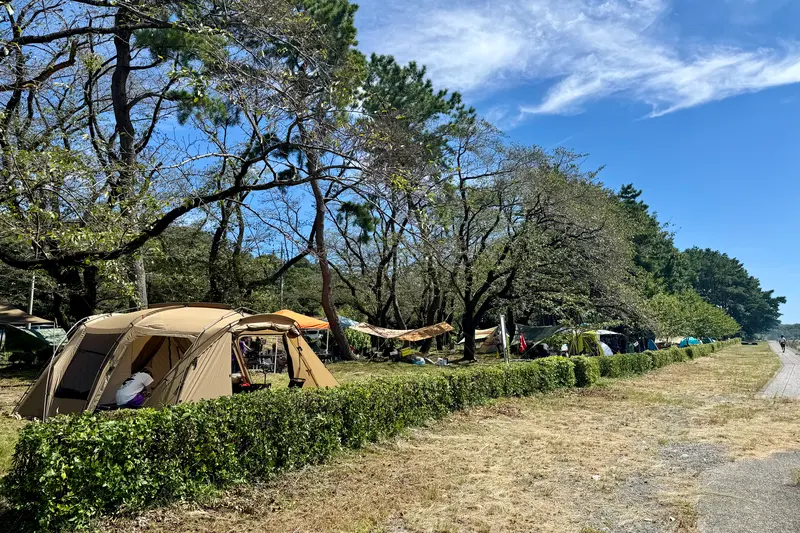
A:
622, 456
13, 384
350, 371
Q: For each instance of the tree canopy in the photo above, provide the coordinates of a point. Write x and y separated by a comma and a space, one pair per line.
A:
248, 153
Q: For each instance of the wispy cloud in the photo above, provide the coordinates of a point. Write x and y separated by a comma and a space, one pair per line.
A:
582, 50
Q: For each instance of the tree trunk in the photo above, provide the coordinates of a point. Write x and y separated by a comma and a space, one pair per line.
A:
140, 281
430, 316
325, 271
468, 327
81, 285
215, 281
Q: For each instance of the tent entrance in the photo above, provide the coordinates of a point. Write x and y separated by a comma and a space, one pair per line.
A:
263, 351
156, 353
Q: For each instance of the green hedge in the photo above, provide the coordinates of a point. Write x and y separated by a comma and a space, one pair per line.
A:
587, 370
73, 469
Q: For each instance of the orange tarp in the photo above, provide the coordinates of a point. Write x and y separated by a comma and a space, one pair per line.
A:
305, 322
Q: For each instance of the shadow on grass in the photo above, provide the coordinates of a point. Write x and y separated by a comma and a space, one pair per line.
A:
14, 520
24, 372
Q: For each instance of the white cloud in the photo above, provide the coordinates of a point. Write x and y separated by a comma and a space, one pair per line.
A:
582, 50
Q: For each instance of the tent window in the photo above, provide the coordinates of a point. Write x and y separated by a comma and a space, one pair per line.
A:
86, 363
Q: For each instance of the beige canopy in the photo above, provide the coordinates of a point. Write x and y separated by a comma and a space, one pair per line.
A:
189, 349
411, 335
17, 317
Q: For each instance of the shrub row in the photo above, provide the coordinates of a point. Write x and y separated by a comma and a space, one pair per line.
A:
73, 469
588, 370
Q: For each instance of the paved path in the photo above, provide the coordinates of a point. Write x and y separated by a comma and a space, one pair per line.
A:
751, 496
786, 382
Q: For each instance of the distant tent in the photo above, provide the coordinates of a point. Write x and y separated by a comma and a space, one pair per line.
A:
347, 322
535, 334
651, 345
688, 341
481, 334
586, 343
490, 338
37, 342
189, 348
305, 322
17, 317
606, 349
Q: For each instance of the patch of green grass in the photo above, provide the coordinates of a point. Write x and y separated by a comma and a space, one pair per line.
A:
13, 384
355, 371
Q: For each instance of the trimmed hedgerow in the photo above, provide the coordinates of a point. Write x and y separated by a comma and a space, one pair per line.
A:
73, 469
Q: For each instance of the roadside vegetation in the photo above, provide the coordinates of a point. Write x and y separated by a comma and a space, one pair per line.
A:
74, 469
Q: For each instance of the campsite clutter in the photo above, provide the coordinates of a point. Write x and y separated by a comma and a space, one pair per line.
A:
189, 362
203, 351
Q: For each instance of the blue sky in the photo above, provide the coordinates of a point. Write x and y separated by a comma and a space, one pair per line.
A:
696, 102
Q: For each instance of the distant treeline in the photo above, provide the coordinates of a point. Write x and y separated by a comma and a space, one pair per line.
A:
790, 331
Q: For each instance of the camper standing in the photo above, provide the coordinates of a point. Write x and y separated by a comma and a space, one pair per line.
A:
135, 389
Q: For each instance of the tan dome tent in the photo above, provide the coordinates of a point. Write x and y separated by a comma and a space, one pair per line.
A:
187, 347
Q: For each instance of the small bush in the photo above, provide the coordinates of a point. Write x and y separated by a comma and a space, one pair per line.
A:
587, 370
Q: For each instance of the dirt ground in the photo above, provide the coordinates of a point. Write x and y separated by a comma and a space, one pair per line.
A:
625, 456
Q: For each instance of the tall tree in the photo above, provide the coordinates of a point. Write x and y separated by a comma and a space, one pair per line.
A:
659, 262
88, 172
723, 281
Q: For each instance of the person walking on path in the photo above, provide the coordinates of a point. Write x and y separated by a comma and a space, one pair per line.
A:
783, 344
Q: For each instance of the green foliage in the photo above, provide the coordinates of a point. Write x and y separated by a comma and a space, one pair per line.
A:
655, 254
723, 281
687, 314
790, 331
587, 370
358, 340
622, 365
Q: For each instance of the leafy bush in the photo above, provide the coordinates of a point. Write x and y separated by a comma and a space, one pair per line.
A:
587, 370
358, 340
72, 469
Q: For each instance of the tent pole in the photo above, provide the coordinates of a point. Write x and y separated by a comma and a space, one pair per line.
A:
275, 358
30, 300
503, 337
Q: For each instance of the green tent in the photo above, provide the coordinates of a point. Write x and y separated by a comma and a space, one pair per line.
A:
534, 334
30, 345
585, 343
